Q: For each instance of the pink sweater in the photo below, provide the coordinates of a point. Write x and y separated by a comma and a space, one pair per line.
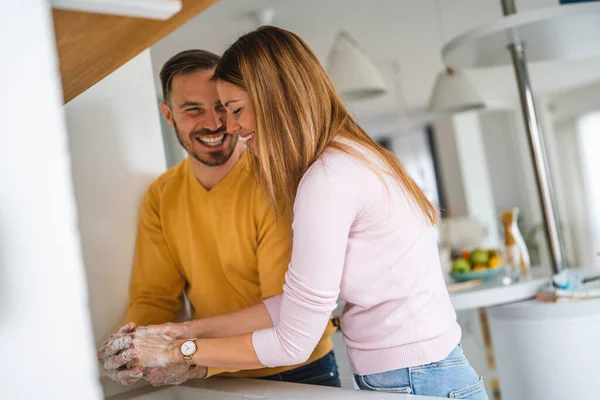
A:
371, 247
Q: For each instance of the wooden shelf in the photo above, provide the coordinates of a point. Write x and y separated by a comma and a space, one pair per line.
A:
90, 46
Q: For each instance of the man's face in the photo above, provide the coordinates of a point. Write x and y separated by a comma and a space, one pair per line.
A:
199, 119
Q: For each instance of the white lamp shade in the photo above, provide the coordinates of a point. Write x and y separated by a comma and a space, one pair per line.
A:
352, 72
453, 93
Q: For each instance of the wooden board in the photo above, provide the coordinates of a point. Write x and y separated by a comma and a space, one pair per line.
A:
458, 286
91, 46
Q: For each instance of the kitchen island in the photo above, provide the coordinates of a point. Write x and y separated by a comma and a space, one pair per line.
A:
542, 350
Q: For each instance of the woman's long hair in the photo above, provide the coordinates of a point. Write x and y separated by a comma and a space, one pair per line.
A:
298, 114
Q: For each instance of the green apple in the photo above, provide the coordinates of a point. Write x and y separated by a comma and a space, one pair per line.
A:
479, 257
461, 265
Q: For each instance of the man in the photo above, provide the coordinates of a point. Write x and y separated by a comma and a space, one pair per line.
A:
206, 228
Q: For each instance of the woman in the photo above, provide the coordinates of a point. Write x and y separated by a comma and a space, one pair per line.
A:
363, 232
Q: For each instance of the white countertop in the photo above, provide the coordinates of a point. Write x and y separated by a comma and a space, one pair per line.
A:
250, 389
495, 293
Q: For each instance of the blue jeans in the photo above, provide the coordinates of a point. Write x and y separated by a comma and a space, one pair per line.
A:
450, 378
322, 372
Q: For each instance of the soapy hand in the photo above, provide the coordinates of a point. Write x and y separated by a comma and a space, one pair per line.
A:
154, 351
123, 331
161, 360
173, 374
147, 352
116, 352
126, 376
172, 330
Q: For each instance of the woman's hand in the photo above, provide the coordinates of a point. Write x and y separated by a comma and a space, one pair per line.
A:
171, 330
160, 358
155, 351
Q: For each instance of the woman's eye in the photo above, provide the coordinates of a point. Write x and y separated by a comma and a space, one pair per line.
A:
236, 112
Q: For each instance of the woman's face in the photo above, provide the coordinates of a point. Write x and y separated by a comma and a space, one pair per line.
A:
240, 115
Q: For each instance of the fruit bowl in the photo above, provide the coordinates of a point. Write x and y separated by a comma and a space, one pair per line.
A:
484, 274
484, 264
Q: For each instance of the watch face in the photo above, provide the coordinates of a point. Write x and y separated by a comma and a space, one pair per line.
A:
188, 348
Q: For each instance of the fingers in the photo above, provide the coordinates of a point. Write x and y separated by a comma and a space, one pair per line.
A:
200, 372
130, 375
101, 351
157, 330
161, 381
119, 360
125, 330
114, 346
126, 376
173, 375
165, 376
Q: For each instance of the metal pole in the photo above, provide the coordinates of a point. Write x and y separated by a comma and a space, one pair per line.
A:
508, 7
537, 148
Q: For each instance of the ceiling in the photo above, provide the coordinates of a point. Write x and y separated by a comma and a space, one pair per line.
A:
406, 31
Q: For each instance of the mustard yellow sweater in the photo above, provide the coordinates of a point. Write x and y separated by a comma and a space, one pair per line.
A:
224, 247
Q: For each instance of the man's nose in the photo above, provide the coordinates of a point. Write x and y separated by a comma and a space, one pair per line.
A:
213, 121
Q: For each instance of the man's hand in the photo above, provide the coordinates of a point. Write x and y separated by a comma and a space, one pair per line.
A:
126, 375
171, 330
124, 331
173, 374
116, 353
116, 343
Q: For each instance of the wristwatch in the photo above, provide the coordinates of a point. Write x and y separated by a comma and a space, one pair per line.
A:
188, 349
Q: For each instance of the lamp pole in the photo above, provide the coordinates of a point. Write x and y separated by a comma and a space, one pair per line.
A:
537, 148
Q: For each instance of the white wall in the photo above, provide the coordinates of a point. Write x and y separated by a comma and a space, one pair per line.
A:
445, 143
563, 112
413, 149
117, 150
45, 335
504, 162
589, 140
576, 218
475, 176
569, 104
464, 172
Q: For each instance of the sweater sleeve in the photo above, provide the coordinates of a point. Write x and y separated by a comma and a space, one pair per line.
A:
156, 282
325, 208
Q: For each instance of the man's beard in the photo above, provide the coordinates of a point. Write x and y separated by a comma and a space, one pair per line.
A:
210, 158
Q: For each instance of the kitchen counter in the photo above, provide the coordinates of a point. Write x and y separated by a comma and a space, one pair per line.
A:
490, 294
251, 389
495, 293
537, 340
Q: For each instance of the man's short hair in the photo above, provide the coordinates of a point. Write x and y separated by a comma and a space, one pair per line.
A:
186, 62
